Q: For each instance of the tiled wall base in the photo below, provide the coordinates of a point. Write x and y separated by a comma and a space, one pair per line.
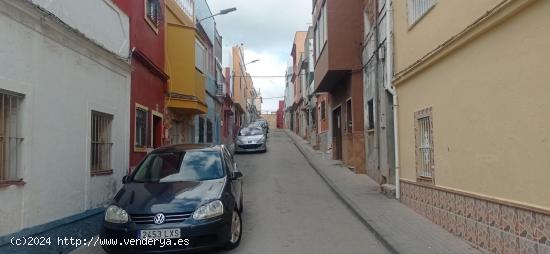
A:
495, 227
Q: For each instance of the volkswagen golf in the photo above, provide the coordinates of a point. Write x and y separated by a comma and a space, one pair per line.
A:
179, 198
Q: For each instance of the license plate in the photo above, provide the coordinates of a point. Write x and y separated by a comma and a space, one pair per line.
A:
250, 142
160, 233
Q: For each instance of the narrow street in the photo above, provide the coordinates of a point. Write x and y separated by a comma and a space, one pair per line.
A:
289, 209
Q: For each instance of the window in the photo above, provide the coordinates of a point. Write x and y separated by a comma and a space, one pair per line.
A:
209, 131
200, 56
156, 130
101, 142
153, 11
321, 35
417, 9
187, 6
424, 145
201, 130
349, 116
141, 127
370, 107
323, 110
10, 136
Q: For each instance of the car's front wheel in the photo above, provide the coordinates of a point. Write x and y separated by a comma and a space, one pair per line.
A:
235, 232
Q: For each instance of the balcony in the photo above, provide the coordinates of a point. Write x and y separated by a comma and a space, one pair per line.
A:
186, 85
339, 56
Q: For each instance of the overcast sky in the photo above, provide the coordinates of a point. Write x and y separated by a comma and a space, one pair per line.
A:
266, 28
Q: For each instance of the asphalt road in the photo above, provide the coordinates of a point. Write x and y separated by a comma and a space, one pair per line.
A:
289, 209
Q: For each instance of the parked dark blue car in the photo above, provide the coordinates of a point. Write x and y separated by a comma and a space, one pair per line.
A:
179, 198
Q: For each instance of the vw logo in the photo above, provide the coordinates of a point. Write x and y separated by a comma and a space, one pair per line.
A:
159, 218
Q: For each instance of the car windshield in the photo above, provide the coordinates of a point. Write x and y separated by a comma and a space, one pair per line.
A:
180, 166
251, 132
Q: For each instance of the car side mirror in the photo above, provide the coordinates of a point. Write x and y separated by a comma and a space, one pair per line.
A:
236, 175
125, 179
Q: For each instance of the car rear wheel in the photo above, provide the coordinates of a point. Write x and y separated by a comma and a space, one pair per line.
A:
235, 232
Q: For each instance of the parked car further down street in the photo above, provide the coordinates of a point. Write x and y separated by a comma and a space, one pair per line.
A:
262, 123
251, 139
191, 194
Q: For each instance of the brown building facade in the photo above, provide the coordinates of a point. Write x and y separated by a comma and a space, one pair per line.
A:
338, 35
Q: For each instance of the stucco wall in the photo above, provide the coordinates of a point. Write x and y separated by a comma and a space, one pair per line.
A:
91, 17
61, 88
445, 19
490, 112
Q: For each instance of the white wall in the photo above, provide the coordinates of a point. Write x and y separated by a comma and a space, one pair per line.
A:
62, 83
100, 20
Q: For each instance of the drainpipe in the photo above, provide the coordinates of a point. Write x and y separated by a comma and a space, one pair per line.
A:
391, 89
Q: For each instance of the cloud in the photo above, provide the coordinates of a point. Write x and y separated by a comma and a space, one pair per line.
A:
266, 28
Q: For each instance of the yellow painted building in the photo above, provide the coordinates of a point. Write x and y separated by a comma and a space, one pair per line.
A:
186, 87
474, 100
242, 85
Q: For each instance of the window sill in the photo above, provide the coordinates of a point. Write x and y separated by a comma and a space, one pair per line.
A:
101, 172
19, 182
425, 180
140, 149
152, 25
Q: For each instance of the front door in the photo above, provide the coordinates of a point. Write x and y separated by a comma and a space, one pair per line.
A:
337, 133
157, 131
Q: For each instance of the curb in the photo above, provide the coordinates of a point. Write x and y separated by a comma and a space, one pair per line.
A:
350, 204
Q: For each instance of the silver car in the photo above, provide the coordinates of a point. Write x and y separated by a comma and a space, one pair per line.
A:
251, 139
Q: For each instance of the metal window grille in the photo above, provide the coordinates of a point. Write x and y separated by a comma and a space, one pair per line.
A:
101, 141
417, 9
141, 127
10, 137
425, 148
153, 11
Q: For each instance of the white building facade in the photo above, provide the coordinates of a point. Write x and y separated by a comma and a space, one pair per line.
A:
64, 109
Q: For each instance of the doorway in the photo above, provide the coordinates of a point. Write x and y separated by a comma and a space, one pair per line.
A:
157, 131
337, 132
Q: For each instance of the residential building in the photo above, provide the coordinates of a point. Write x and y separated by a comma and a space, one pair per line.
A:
207, 126
472, 86
297, 52
378, 95
338, 73
223, 94
289, 99
243, 88
309, 99
258, 100
228, 111
280, 115
251, 97
147, 35
186, 97
65, 97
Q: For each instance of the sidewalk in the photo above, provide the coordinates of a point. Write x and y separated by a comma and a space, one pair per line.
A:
398, 227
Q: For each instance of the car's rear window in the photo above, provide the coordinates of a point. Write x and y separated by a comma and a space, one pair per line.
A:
251, 132
180, 166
